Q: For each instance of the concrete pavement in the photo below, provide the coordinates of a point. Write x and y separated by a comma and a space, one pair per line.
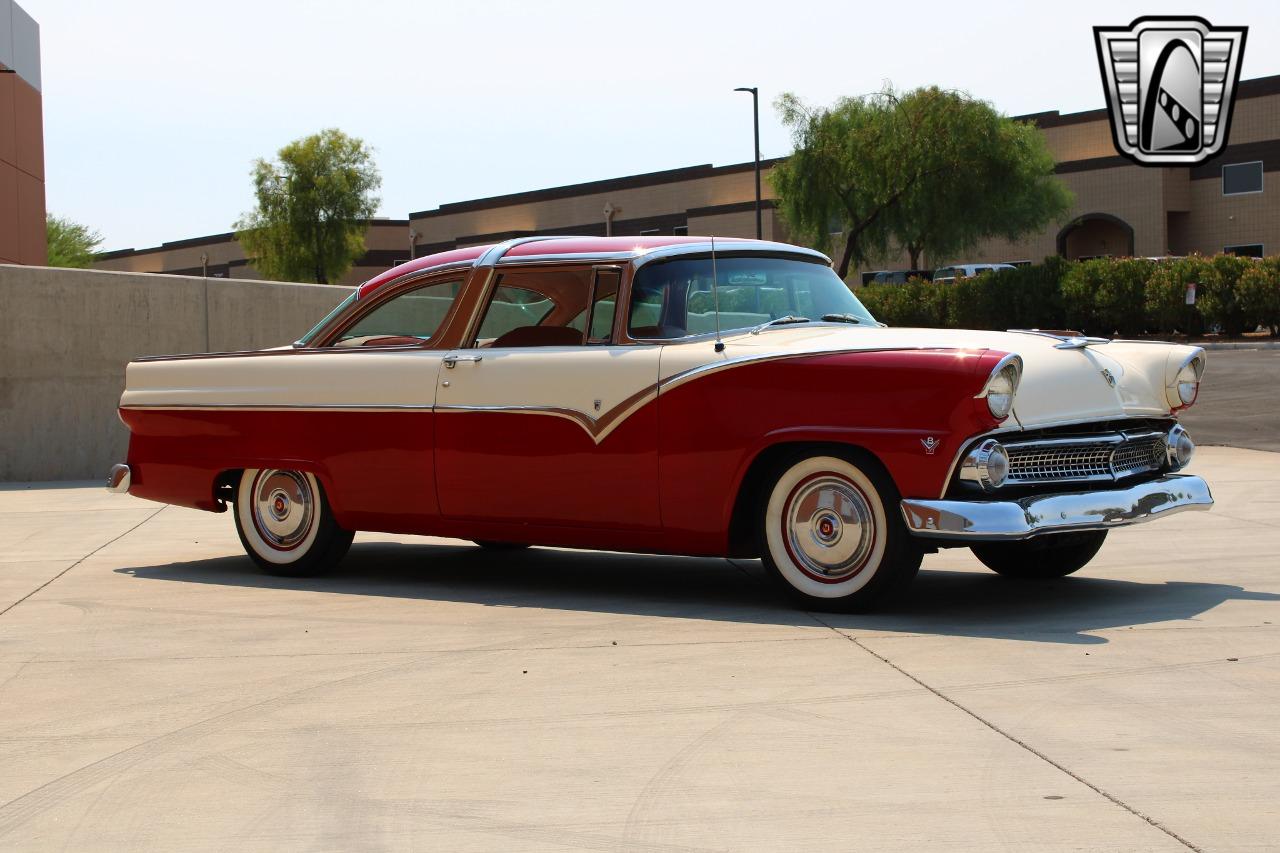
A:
157, 693
1239, 401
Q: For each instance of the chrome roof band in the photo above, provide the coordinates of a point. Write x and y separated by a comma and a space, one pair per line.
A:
498, 254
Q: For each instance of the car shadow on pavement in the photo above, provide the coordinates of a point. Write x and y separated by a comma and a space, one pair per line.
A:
950, 603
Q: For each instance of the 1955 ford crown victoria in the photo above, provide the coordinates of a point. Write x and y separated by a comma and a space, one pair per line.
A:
668, 395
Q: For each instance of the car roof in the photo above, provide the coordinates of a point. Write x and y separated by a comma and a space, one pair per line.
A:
568, 247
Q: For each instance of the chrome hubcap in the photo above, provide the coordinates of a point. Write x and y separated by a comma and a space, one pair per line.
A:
283, 507
829, 526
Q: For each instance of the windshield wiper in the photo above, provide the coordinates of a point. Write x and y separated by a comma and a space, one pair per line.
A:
842, 318
780, 321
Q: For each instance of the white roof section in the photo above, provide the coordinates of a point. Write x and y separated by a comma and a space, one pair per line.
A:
20, 42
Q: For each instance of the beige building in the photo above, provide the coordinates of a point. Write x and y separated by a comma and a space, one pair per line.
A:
221, 256
1120, 209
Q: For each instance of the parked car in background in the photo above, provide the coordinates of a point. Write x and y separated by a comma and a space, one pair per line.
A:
951, 273
597, 393
895, 276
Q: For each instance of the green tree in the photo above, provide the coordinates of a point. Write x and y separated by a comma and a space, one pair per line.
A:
313, 208
928, 171
70, 243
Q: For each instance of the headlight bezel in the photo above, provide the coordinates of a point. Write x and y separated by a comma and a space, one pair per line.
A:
1183, 388
1000, 397
1179, 447
985, 466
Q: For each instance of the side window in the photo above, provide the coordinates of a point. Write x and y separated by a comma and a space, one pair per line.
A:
646, 311
536, 308
409, 319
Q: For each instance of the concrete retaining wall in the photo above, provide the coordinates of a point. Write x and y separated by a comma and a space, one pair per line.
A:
66, 335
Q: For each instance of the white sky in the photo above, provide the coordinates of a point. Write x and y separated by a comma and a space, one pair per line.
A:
154, 110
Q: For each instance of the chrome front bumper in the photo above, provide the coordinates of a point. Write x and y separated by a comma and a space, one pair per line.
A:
119, 478
980, 520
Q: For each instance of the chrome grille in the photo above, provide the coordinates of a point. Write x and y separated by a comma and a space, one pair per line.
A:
1103, 457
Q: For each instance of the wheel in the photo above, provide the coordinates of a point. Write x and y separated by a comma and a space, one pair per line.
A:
285, 523
832, 536
500, 546
1051, 556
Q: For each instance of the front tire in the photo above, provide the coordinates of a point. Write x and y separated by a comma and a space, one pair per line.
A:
285, 523
831, 534
1042, 558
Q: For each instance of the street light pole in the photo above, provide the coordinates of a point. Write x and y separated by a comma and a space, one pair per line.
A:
755, 116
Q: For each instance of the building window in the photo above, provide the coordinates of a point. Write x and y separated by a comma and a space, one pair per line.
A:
649, 232
1248, 250
680, 230
1242, 178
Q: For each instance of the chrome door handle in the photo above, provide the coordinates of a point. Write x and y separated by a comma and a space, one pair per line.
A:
451, 360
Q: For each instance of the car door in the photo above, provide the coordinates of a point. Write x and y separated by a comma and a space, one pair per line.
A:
543, 418
377, 377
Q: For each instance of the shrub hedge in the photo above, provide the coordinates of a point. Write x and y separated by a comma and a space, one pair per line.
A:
1104, 296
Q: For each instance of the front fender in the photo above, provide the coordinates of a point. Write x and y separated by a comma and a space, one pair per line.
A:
912, 409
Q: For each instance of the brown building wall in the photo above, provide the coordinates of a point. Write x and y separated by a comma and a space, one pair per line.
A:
1216, 221
22, 213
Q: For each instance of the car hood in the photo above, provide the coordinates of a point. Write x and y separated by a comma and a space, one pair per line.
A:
1115, 379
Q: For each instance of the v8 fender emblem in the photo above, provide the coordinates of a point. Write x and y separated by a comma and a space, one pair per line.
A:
930, 445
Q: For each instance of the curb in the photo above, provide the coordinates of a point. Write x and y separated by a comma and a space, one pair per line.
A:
1239, 346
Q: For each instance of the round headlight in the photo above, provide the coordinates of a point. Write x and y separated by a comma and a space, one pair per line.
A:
1189, 382
1000, 391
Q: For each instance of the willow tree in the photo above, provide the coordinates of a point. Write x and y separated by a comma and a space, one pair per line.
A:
313, 208
929, 172
70, 244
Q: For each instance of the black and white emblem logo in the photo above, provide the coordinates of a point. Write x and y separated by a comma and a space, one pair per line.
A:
1169, 84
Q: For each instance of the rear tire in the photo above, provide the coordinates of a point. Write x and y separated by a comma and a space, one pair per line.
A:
1042, 558
285, 523
831, 534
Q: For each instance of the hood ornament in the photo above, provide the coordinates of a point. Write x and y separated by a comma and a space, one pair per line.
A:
1080, 342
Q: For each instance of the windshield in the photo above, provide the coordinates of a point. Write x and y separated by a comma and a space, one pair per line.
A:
673, 299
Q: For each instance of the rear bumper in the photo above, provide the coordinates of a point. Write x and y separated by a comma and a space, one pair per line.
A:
980, 520
119, 479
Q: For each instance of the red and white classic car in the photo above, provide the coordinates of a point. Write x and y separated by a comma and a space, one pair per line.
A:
667, 395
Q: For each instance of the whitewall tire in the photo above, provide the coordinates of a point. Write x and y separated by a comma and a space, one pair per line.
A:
832, 534
285, 523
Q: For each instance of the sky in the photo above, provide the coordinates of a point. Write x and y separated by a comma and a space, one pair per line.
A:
155, 111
